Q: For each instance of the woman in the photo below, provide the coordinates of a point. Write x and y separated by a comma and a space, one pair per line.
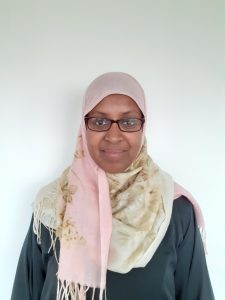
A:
110, 225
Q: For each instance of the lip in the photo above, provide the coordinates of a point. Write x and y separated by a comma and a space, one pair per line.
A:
113, 150
113, 153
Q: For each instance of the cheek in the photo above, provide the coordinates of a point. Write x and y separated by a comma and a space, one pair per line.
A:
93, 142
136, 143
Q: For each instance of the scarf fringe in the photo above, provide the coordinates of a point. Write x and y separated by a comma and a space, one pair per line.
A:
71, 291
45, 217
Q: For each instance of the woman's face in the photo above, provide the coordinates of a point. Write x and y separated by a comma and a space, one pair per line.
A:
114, 150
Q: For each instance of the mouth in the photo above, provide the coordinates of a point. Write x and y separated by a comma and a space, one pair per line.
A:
113, 153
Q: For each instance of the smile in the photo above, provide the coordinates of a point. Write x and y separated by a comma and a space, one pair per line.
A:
113, 153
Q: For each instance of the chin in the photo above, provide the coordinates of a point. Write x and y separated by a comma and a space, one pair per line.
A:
115, 169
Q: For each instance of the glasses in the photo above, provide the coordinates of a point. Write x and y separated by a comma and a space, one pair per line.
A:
103, 124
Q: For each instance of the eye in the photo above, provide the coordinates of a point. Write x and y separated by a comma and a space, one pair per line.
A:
100, 121
129, 122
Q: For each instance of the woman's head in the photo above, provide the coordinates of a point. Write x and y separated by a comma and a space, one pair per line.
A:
114, 97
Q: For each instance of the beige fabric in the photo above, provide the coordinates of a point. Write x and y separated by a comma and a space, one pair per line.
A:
141, 200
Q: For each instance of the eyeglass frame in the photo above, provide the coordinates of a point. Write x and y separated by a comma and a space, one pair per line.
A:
114, 121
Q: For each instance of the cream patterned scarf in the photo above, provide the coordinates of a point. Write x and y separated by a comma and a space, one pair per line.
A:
141, 201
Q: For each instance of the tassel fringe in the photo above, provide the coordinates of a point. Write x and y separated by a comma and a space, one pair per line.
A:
44, 213
70, 291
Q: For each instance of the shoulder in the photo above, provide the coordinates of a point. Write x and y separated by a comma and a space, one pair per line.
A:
183, 218
44, 206
182, 207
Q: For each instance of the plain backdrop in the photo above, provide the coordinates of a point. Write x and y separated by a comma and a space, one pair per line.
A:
49, 53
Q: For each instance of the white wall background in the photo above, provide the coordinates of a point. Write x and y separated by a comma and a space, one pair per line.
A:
51, 50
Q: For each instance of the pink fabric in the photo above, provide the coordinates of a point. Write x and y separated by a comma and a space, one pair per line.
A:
90, 209
85, 263
180, 191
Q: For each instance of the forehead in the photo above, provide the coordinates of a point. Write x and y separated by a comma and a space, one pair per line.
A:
116, 102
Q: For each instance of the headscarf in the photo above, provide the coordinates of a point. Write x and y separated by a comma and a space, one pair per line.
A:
108, 221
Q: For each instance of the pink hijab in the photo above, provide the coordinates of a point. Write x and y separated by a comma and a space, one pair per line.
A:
85, 216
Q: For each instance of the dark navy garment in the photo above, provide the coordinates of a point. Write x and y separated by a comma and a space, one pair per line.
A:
177, 271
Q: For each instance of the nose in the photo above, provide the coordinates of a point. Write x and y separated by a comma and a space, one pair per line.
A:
114, 134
